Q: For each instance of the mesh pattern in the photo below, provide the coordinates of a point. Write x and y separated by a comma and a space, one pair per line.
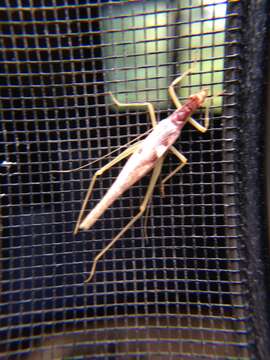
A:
178, 292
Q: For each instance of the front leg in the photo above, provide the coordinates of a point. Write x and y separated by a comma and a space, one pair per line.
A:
178, 104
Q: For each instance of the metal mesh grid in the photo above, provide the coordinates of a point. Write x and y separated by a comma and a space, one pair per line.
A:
179, 293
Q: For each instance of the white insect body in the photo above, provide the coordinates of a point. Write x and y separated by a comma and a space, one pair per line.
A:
138, 165
146, 155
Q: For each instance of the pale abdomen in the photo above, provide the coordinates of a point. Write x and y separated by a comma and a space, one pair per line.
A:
138, 165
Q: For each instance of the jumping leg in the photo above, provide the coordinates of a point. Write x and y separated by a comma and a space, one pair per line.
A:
143, 207
120, 157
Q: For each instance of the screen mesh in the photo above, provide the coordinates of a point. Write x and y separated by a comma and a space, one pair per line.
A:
173, 285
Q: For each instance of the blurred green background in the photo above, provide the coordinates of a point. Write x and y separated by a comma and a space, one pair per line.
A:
148, 44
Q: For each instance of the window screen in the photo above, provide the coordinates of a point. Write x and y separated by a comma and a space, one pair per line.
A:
177, 283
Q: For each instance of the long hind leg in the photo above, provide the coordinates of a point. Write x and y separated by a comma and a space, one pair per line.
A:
143, 207
98, 173
120, 157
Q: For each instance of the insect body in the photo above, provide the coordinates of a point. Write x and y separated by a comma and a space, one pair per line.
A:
146, 155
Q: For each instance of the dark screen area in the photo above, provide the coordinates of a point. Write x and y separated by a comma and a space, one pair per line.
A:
173, 286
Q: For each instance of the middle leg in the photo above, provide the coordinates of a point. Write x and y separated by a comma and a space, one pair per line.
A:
183, 161
148, 105
98, 173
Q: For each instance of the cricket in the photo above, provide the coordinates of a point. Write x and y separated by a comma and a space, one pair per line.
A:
144, 155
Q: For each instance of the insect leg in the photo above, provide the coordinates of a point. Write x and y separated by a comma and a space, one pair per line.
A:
150, 107
171, 89
120, 157
143, 207
146, 220
198, 126
183, 161
175, 99
178, 104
